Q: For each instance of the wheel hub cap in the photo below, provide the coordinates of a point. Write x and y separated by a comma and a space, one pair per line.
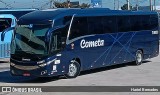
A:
139, 57
72, 69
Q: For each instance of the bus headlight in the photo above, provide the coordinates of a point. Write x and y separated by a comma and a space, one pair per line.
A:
55, 61
40, 62
43, 65
12, 64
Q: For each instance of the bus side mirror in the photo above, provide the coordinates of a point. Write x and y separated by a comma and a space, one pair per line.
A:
63, 42
4, 32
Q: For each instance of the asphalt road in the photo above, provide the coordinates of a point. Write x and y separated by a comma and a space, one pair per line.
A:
147, 74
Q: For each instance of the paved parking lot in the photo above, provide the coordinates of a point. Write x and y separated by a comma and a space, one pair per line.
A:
147, 74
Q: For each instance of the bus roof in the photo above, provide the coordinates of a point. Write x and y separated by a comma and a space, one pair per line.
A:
44, 16
7, 16
16, 12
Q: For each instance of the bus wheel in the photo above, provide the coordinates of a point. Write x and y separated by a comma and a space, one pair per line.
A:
74, 70
139, 57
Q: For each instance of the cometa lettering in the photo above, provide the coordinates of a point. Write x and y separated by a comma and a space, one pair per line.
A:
89, 44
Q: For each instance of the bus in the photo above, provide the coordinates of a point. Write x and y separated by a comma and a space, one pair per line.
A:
8, 19
67, 41
17, 12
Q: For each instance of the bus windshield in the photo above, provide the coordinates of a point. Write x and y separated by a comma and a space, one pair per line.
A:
30, 40
5, 23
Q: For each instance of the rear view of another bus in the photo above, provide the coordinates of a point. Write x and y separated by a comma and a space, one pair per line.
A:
6, 21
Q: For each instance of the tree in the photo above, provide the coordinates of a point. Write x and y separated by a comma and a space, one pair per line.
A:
70, 5
83, 5
125, 7
61, 5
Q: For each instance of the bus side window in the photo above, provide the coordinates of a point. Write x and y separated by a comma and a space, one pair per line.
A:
145, 22
56, 40
67, 20
139, 22
79, 27
64, 34
153, 22
123, 23
109, 24
62, 21
95, 25
5, 23
135, 23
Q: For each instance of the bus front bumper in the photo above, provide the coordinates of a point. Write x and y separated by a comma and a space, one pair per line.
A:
38, 71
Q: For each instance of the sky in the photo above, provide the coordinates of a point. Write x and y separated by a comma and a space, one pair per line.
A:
43, 4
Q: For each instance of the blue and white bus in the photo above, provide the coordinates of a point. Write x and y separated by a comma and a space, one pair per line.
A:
8, 19
67, 41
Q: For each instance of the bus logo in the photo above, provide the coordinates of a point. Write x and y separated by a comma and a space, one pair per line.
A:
89, 44
24, 59
31, 26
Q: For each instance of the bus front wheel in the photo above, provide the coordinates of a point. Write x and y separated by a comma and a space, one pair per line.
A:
74, 70
139, 57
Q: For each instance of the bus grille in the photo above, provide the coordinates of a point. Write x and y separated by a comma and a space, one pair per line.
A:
5, 50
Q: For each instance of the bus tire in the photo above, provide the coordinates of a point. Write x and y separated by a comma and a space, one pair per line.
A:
139, 57
74, 70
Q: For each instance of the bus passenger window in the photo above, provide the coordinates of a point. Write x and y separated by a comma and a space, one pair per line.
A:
5, 23
123, 23
62, 21
95, 25
154, 22
145, 22
79, 27
135, 23
109, 24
